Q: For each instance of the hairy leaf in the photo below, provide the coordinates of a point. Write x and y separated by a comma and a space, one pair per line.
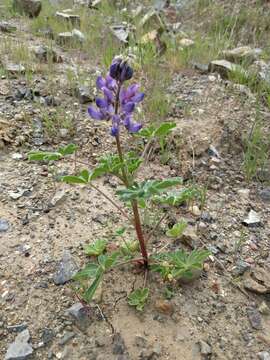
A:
89, 271
97, 248
177, 230
138, 298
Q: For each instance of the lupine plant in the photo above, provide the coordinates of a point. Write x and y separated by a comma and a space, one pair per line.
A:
117, 105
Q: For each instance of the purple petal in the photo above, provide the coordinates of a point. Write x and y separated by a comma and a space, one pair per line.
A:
138, 97
108, 94
134, 127
94, 114
127, 121
110, 82
115, 130
100, 83
114, 70
123, 96
102, 103
128, 107
132, 89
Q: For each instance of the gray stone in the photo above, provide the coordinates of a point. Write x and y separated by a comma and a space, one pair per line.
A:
79, 313
64, 38
16, 328
4, 225
78, 35
20, 349
241, 54
7, 27
44, 54
14, 69
264, 355
32, 8
253, 219
205, 348
47, 336
240, 268
119, 346
66, 338
224, 68
74, 19
66, 270
121, 32
265, 194
83, 94
58, 198
254, 318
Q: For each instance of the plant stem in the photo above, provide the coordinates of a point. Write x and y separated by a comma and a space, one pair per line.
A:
138, 227
134, 203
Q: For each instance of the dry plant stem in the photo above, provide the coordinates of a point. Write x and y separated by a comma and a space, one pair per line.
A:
163, 217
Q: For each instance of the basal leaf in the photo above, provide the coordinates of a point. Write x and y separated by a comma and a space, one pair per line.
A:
164, 129
67, 150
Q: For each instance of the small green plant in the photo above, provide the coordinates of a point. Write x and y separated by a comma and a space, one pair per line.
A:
118, 105
97, 248
138, 298
179, 264
256, 154
177, 230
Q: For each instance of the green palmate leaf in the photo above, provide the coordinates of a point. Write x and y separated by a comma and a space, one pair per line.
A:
52, 155
164, 129
179, 264
130, 247
176, 198
138, 298
147, 189
177, 230
147, 132
44, 156
107, 261
89, 271
97, 248
82, 178
90, 292
120, 231
68, 150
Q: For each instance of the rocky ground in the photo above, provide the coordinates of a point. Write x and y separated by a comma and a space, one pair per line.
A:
44, 224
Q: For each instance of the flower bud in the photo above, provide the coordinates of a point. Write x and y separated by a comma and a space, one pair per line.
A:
120, 70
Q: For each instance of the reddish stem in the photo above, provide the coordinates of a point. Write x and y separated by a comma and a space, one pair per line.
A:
137, 220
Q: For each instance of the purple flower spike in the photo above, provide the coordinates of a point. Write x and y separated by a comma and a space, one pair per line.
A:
118, 103
94, 114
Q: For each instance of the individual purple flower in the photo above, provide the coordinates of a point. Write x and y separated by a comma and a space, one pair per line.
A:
118, 103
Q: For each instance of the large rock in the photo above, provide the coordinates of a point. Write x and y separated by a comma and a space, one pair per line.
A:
70, 38
224, 68
74, 19
7, 27
20, 349
31, 8
242, 54
44, 54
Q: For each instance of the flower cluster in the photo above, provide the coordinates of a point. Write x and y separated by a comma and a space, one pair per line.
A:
118, 103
